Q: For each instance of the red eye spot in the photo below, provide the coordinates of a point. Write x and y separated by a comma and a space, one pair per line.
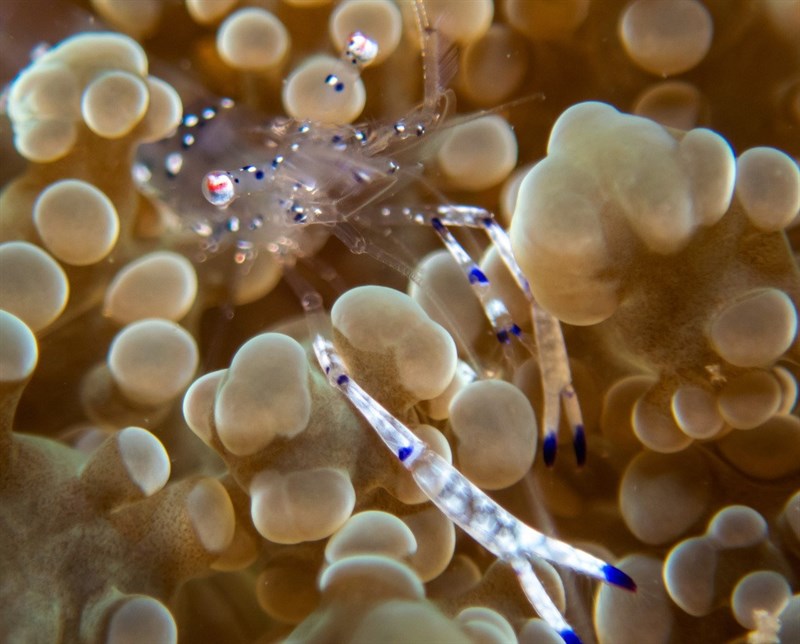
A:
218, 188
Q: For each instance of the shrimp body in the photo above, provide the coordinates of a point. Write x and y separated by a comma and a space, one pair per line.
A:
316, 175
300, 173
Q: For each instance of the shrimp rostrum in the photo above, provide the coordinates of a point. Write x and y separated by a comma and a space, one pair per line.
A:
338, 177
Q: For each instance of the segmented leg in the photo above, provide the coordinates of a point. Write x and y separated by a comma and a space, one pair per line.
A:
462, 502
550, 346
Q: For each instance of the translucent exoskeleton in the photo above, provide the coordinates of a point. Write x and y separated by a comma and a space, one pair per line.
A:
305, 175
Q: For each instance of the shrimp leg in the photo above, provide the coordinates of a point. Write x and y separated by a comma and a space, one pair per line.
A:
496, 529
550, 347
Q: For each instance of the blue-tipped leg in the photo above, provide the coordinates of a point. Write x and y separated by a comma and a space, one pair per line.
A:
477, 276
569, 636
616, 577
579, 444
549, 449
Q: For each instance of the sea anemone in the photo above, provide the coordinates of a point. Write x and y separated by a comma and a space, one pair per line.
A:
175, 465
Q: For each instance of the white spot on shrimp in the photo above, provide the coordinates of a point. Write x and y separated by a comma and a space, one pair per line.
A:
218, 188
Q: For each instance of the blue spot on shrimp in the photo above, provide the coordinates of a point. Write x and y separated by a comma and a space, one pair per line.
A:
294, 184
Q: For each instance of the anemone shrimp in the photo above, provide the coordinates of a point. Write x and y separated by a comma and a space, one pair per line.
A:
307, 175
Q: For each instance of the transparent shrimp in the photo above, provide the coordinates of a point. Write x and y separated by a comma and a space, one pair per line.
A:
309, 174
322, 174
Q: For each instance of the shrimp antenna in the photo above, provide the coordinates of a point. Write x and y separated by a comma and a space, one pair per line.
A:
438, 66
